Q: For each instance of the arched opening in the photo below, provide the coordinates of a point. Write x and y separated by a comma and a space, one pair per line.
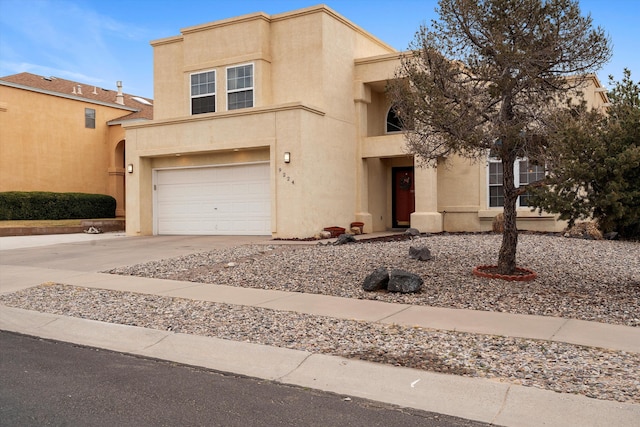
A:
117, 178
393, 121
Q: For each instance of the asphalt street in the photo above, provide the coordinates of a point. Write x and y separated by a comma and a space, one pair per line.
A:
54, 383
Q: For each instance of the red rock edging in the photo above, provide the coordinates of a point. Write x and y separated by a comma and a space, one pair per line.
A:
525, 275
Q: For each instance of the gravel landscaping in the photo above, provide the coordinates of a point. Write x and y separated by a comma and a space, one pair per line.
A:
579, 279
590, 280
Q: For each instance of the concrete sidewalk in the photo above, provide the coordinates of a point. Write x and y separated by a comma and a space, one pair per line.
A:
472, 398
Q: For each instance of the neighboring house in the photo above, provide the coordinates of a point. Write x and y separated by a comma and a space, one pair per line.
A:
279, 125
64, 136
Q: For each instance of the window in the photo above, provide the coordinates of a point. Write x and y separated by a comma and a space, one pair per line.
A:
528, 173
525, 174
240, 87
393, 121
496, 195
203, 92
89, 118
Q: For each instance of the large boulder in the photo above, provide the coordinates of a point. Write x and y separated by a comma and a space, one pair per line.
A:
376, 280
421, 254
497, 225
413, 232
584, 230
404, 282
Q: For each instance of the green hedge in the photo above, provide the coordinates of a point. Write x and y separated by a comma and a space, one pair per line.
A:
45, 205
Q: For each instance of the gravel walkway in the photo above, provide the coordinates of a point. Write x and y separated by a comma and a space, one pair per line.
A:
591, 280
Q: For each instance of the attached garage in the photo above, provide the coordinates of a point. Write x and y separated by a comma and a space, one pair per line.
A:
220, 200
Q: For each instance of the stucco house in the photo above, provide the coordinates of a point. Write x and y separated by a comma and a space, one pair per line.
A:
279, 125
63, 136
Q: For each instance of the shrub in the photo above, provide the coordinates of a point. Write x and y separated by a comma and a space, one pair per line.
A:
20, 205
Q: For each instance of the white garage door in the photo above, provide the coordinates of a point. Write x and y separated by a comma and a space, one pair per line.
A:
226, 200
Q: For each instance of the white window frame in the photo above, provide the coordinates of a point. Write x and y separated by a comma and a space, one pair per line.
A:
202, 95
243, 89
517, 183
386, 123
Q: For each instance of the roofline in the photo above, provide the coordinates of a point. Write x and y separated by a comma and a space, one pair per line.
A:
64, 95
274, 18
125, 121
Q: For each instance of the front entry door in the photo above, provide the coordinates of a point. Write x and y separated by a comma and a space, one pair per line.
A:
404, 201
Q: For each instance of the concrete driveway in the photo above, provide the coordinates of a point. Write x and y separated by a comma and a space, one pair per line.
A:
98, 252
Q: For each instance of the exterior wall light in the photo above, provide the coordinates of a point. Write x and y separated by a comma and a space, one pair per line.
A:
287, 157
130, 168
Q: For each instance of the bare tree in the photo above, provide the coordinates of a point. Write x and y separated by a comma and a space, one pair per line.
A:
483, 78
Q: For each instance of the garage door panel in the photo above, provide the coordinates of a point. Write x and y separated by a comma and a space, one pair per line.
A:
214, 200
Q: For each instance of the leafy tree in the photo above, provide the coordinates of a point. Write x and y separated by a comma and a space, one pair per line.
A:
593, 163
482, 79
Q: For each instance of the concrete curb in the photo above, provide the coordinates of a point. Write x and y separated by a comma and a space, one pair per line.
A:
472, 398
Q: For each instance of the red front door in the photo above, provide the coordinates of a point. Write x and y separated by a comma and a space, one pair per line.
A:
404, 202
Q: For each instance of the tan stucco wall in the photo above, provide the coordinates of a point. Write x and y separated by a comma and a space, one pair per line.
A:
44, 145
259, 135
303, 86
319, 92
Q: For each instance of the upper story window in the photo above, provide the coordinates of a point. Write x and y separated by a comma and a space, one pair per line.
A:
393, 121
89, 118
203, 92
525, 173
240, 87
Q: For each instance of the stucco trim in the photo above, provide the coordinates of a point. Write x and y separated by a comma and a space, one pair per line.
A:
395, 56
274, 18
227, 114
225, 22
251, 57
166, 40
335, 15
254, 144
524, 213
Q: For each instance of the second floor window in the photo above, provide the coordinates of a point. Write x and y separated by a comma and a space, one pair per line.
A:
393, 121
203, 92
240, 87
89, 118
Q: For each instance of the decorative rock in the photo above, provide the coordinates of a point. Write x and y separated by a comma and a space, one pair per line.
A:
376, 280
93, 230
325, 234
355, 230
413, 232
421, 254
587, 230
344, 239
497, 225
611, 236
404, 282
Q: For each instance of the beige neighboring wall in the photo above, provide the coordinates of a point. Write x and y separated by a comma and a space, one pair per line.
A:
44, 145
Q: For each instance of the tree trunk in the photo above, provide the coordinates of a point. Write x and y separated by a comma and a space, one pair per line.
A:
507, 255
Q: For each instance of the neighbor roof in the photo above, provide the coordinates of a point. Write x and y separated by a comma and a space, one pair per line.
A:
142, 107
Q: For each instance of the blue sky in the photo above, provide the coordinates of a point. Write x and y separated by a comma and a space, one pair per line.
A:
98, 42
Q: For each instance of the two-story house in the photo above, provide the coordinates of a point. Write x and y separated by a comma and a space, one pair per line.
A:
279, 125
63, 136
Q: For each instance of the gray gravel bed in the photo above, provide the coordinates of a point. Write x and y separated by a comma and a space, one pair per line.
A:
597, 373
579, 279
